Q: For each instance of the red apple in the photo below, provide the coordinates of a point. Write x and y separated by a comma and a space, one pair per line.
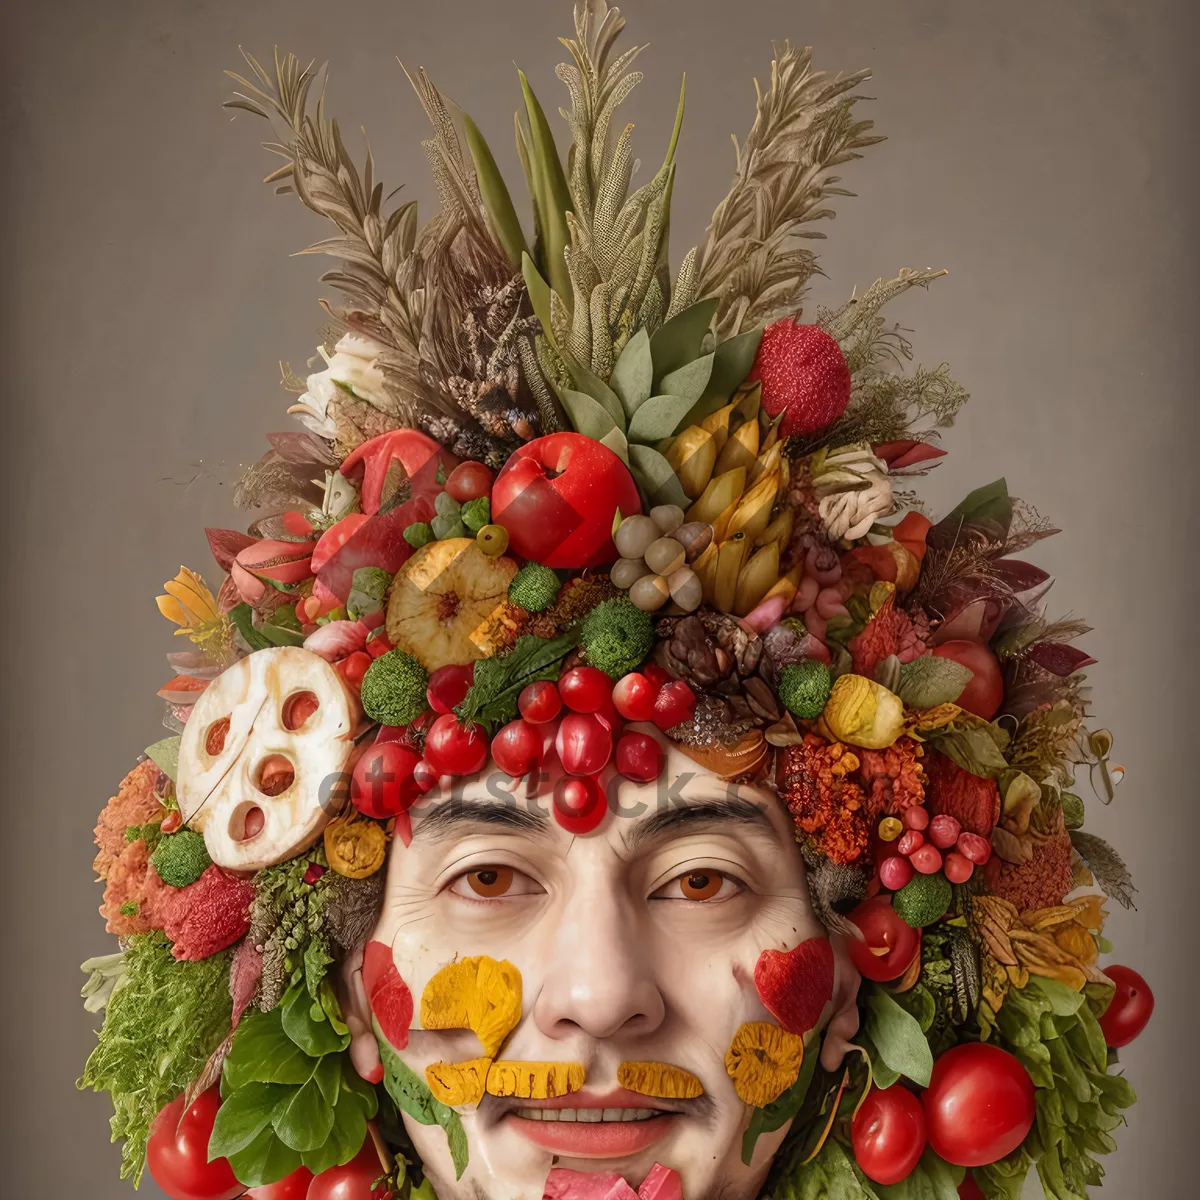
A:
557, 495
983, 694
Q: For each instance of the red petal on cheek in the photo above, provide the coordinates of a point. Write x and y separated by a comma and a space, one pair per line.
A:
387, 994
795, 985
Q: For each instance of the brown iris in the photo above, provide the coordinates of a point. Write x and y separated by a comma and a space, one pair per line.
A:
701, 885
490, 881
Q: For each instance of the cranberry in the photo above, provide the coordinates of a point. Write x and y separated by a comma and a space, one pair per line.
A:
916, 818
633, 696
958, 869
517, 748
469, 481
944, 831
448, 686
978, 849
640, 757
584, 743
673, 705
895, 872
579, 803
540, 702
927, 860
454, 749
585, 689
911, 841
382, 783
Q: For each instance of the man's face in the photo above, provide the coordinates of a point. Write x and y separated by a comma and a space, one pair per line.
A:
636, 943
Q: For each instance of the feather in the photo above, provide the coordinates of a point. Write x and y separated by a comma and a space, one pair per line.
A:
1106, 865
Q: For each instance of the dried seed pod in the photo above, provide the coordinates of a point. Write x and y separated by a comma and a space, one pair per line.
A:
695, 537
763, 1061
664, 556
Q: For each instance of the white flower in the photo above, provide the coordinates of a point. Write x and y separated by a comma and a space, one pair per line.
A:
854, 491
352, 367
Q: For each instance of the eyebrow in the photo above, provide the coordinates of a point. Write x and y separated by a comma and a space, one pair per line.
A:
448, 819
697, 817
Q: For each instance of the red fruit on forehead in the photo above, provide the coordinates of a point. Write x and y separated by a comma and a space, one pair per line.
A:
804, 374
387, 994
795, 985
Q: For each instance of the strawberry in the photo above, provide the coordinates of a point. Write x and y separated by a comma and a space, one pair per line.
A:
804, 374
794, 986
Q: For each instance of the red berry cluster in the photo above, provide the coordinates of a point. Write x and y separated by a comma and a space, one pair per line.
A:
928, 845
394, 773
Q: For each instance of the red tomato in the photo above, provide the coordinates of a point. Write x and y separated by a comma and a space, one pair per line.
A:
633, 696
584, 743
984, 692
469, 481
454, 749
579, 803
177, 1153
382, 783
291, 1187
888, 1134
1131, 1007
517, 748
673, 705
891, 942
353, 1180
584, 689
640, 758
979, 1105
448, 686
539, 702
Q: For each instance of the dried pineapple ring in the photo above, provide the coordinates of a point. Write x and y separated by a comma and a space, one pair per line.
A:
480, 994
264, 794
763, 1061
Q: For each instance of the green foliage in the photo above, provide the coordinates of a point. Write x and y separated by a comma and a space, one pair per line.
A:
290, 1095
368, 588
393, 689
923, 900
895, 1039
804, 688
617, 636
974, 744
929, 681
534, 588
1054, 1032
161, 1025
180, 858
165, 756
476, 513
418, 534
498, 681
411, 1095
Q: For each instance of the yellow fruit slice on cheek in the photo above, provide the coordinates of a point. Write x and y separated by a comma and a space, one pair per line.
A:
763, 1061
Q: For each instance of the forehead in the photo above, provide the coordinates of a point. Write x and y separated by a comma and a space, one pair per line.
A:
686, 798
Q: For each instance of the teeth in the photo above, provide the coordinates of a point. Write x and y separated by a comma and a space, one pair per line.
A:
588, 1115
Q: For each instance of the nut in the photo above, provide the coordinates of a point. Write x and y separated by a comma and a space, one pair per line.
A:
664, 556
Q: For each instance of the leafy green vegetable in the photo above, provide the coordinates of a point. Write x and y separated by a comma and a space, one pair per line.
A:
161, 1025
929, 681
290, 1096
782, 1109
412, 1096
973, 743
242, 616
165, 756
898, 1037
498, 681
932, 1179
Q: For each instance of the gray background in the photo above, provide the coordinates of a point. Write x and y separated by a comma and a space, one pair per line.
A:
1039, 150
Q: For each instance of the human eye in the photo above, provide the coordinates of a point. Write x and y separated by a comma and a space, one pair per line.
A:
701, 885
491, 883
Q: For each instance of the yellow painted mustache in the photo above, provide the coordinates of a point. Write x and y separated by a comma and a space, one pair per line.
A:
660, 1080
466, 1082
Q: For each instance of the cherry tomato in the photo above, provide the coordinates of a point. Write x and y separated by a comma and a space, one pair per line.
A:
944, 830
291, 1187
640, 757
926, 859
517, 748
916, 817
979, 1105
958, 867
539, 702
891, 943
984, 692
584, 743
584, 689
469, 481
895, 872
914, 839
454, 749
1130, 1009
382, 783
977, 849
673, 705
448, 686
353, 1180
579, 803
888, 1134
177, 1153
633, 696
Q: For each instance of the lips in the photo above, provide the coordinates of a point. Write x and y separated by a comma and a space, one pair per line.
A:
592, 1125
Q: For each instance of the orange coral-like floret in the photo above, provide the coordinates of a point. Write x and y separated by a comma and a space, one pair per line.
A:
894, 778
134, 804
813, 781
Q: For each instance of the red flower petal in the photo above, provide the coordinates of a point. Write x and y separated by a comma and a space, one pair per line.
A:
794, 986
387, 993
1059, 658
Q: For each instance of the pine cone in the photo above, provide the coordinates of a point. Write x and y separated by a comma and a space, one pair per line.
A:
720, 660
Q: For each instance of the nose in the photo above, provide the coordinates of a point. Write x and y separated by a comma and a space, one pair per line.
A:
601, 978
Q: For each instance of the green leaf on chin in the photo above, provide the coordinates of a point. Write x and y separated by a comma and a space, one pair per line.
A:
782, 1109
412, 1096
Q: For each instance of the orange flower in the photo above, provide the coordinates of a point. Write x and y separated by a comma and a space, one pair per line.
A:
813, 781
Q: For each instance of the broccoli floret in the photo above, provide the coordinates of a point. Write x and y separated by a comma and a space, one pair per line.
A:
533, 588
804, 687
393, 689
180, 858
923, 900
616, 636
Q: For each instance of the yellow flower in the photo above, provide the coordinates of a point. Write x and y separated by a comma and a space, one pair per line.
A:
188, 602
763, 1061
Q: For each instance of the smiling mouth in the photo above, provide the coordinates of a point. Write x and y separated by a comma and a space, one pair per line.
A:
610, 1125
594, 1116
